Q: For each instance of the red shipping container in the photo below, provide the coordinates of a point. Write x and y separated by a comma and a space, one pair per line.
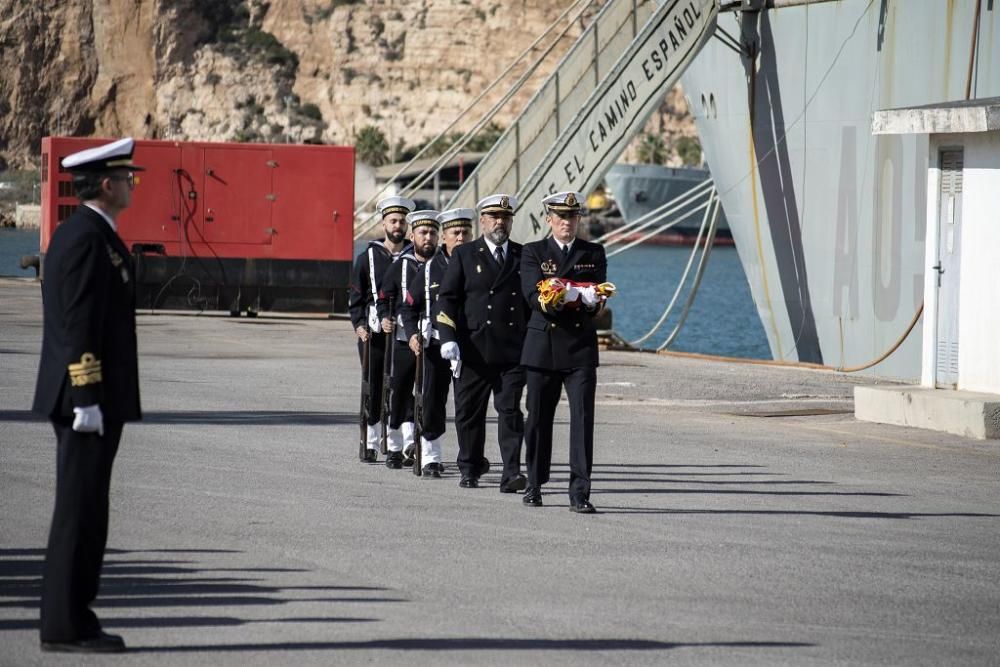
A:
238, 227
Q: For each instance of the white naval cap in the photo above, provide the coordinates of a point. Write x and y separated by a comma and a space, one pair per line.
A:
457, 217
497, 204
563, 202
424, 218
395, 205
116, 155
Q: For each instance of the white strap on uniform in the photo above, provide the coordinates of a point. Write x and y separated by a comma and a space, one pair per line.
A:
372, 309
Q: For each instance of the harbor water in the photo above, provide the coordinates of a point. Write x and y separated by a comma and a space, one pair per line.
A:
723, 319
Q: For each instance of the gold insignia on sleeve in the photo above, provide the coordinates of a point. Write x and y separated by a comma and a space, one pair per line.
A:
88, 371
443, 318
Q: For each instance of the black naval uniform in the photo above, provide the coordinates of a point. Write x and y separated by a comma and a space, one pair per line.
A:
88, 357
418, 308
560, 350
363, 295
480, 307
394, 285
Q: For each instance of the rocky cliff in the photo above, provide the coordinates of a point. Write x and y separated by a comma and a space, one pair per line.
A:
252, 70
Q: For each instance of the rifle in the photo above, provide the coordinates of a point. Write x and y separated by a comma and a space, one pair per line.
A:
418, 409
390, 349
366, 395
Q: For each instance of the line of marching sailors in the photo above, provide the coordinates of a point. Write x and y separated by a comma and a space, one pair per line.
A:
476, 313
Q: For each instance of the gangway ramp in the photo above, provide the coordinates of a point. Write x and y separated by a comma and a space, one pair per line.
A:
541, 152
531, 135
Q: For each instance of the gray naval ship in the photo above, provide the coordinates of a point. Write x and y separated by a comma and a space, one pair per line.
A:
829, 220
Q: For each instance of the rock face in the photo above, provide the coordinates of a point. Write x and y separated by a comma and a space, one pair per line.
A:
252, 70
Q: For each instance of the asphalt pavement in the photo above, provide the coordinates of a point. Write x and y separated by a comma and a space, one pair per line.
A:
744, 518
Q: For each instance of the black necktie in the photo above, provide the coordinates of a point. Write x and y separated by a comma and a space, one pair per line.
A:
565, 250
499, 255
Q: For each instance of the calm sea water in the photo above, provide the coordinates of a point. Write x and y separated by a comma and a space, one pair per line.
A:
723, 319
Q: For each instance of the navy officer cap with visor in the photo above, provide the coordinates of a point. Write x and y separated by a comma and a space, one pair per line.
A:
498, 204
563, 203
116, 155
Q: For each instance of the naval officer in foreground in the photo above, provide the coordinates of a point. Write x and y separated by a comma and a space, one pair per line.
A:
560, 346
88, 387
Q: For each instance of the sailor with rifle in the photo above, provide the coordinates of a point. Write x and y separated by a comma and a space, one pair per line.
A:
481, 319
400, 441
366, 280
419, 310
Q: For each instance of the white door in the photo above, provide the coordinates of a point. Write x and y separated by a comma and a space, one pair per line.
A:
948, 266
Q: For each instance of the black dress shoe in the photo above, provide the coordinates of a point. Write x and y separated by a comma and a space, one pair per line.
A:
532, 497
408, 456
514, 484
439, 467
394, 460
469, 482
103, 643
581, 506
371, 456
430, 470
484, 467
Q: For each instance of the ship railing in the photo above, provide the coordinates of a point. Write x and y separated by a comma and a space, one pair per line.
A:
530, 138
368, 220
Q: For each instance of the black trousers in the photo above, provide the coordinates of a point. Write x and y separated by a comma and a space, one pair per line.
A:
544, 389
437, 384
376, 358
404, 368
79, 531
472, 393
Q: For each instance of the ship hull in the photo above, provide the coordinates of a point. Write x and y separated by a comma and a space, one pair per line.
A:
829, 220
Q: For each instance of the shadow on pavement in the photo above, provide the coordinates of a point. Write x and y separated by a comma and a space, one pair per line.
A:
137, 580
472, 644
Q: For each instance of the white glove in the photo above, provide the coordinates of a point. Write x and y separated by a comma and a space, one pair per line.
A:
450, 351
456, 368
373, 322
589, 296
571, 294
426, 328
88, 420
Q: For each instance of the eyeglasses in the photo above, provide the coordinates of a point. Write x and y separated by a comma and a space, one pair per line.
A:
128, 178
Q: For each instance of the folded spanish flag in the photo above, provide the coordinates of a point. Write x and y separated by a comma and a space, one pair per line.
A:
552, 292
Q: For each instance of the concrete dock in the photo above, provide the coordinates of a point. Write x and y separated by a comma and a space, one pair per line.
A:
745, 518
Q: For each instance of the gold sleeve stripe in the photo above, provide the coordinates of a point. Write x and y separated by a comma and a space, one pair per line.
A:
443, 318
88, 371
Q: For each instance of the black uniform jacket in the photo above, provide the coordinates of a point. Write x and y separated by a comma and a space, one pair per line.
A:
88, 341
360, 293
414, 305
396, 281
480, 305
562, 339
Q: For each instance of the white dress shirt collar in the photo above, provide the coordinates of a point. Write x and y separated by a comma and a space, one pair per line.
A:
103, 214
493, 248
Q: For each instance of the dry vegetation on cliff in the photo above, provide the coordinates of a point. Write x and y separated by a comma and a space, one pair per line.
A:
255, 70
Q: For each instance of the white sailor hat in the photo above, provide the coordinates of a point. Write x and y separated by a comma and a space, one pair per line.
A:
116, 155
425, 218
395, 205
563, 202
497, 205
457, 217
